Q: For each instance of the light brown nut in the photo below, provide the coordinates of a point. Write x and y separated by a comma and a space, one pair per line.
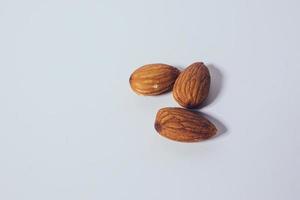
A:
192, 86
153, 79
183, 125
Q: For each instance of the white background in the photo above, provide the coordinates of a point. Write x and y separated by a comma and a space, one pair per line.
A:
71, 128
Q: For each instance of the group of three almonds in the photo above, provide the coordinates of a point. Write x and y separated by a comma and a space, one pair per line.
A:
190, 89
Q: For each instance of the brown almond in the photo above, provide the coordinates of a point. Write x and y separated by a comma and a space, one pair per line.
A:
183, 125
153, 79
192, 86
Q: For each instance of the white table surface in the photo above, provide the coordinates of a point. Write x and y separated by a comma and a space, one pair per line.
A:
71, 128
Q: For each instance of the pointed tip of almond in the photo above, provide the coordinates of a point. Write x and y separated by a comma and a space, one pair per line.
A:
157, 126
130, 79
215, 130
198, 63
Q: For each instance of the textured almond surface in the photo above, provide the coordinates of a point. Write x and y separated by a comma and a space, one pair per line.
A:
183, 125
192, 86
153, 79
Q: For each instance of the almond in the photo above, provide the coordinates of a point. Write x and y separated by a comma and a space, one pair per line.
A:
153, 79
183, 125
192, 86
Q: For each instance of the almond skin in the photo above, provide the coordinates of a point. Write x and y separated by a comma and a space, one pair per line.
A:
183, 125
192, 86
153, 79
